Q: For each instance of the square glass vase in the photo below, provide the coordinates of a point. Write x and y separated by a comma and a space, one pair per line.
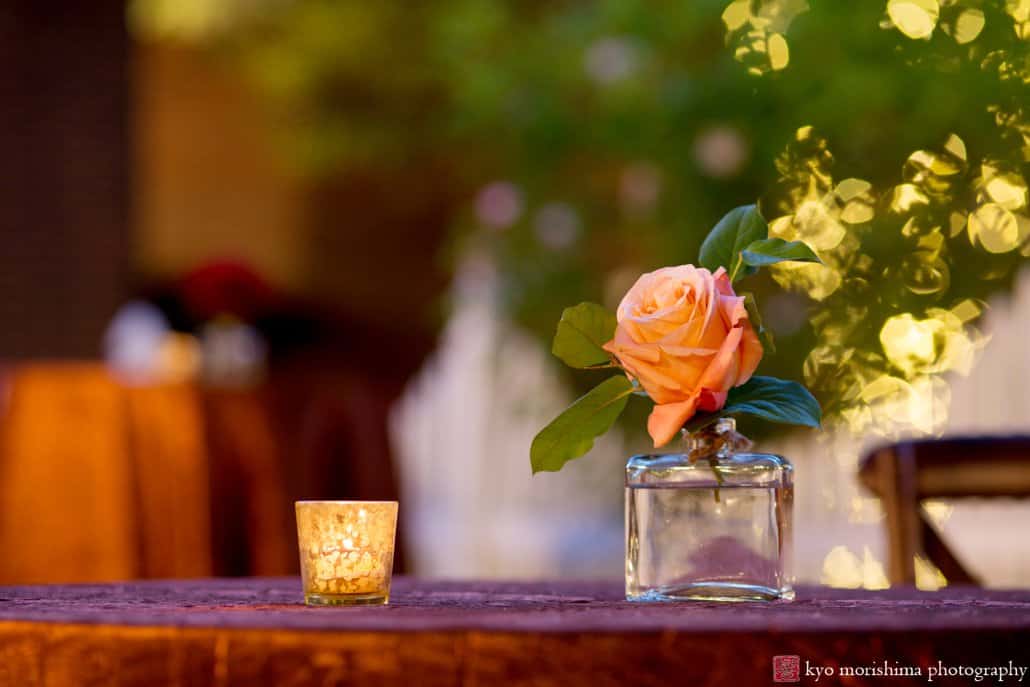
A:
710, 524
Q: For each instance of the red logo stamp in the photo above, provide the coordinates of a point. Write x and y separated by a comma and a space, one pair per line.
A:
786, 668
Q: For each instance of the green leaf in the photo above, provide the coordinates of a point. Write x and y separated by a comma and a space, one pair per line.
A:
776, 400
740, 228
572, 433
582, 330
764, 335
772, 251
767, 398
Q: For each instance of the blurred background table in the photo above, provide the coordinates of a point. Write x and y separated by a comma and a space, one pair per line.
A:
255, 631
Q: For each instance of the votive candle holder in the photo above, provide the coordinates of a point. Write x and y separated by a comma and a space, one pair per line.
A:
346, 551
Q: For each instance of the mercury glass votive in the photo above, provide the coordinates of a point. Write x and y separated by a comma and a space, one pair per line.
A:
346, 551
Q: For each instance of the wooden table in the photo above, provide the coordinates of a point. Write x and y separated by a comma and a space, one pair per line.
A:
232, 632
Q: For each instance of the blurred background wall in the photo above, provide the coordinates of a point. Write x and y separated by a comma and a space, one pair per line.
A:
65, 194
267, 250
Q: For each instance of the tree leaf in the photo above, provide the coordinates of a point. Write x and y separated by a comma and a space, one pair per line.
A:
582, 330
767, 398
774, 250
764, 335
572, 433
735, 232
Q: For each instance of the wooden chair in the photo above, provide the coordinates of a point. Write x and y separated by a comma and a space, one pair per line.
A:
902, 475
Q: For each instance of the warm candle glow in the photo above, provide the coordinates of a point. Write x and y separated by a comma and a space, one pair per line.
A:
346, 550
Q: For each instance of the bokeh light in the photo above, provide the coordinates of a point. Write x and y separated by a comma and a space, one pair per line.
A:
580, 144
897, 383
756, 32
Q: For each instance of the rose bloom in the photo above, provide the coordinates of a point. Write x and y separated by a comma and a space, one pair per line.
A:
684, 335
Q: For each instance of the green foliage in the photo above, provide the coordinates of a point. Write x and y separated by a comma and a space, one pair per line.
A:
739, 243
738, 230
582, 331
755, 317
767, 398
771, 251
572, 433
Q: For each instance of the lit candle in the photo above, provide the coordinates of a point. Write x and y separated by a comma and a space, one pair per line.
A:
346, 550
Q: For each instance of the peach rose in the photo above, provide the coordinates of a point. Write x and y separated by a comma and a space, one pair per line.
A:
685, 336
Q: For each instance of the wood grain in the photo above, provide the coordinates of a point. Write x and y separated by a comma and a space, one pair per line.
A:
255, 632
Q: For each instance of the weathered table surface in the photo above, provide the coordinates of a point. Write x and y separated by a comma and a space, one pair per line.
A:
256, 631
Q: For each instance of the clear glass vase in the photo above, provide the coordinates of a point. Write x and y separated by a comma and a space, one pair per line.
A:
713, 523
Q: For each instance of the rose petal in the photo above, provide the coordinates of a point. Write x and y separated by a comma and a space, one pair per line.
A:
687, 371
722, 371
667, 419
733, 309
686, 350
710, 291
661, 387
711, 401
751, 352
620, 346
722, 282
